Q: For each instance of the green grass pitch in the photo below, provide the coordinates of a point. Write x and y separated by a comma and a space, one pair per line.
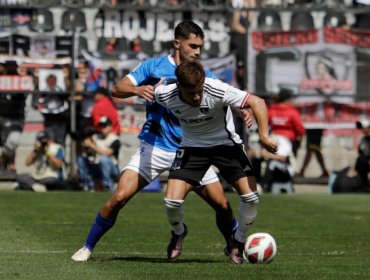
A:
318, 237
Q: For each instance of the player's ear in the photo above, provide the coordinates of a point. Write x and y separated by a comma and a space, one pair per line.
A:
176, 44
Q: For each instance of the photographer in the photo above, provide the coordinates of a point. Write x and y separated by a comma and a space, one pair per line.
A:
355, 179
47, 158
98, 164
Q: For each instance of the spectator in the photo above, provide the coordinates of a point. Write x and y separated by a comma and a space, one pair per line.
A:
99, 159
104, 106
362, 165
286, 125
285, 121
12, 115
55, 110
313, 146
47, 158
84, 98
240, 20
355, 180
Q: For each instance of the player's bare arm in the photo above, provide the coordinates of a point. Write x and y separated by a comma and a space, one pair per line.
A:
125, 89
259, 110
247, 116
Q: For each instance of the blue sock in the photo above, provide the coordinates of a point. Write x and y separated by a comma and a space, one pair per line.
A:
234, 225
97, 230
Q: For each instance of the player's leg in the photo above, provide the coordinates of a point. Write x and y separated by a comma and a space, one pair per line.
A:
214, 195
247, 213
188, 168
129, 184
174, 198
236, 168
136, 175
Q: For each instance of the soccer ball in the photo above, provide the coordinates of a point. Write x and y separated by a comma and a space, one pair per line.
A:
260, 247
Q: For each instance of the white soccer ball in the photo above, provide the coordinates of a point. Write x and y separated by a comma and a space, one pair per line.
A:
260, 247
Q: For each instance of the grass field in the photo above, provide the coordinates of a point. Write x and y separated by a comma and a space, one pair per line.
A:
318, 237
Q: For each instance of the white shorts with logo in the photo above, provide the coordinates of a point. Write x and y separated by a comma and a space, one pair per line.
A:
150, 162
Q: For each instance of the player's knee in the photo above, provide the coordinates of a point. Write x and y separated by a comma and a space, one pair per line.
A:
173, 203
223, 207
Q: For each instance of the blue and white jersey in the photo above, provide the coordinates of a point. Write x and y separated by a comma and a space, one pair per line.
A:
209, 124
162, 128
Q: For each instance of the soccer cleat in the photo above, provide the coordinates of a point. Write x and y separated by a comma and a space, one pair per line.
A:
236, 252
227, 249
39, 187
82, 255
175, 246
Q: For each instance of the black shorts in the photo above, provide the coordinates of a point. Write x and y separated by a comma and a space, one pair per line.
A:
191, 164
313, 141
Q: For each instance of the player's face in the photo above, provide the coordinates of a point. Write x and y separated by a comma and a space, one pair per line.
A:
189, 48
191, 96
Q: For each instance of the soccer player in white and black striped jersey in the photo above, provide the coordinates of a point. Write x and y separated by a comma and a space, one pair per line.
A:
202, 104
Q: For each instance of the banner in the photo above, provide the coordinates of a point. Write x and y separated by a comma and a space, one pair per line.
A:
327, 69
16, 83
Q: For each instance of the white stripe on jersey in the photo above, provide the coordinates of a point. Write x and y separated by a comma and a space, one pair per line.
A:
212, 123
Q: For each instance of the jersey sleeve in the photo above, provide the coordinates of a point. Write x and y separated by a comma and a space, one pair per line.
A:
235, 97
165, 95
142, 72
159, 94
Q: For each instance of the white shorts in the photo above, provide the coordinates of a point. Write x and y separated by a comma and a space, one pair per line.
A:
150, 162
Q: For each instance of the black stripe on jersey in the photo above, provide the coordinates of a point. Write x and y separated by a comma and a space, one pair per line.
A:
214, 91
168, 95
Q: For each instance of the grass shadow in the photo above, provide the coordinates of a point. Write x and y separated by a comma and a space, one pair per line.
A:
155, 260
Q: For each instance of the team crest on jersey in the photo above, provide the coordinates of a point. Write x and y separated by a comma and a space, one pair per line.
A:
204, 110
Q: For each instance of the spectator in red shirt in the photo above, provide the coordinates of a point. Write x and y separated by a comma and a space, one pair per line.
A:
286, 126
104, 106
284, 119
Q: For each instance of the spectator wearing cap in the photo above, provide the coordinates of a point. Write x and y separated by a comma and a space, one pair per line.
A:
47, 160
98, 162
104, 106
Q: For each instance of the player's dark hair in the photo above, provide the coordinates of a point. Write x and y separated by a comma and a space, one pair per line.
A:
190, 73
185, 28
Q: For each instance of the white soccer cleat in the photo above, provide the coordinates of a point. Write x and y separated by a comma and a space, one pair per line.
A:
82, 255
36, 187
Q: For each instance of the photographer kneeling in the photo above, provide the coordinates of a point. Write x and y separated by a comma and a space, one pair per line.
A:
98, 164
47, 159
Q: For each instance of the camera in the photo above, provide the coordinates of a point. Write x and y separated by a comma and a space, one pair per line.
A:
42, 138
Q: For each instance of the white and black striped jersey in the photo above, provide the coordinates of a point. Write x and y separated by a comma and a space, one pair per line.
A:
210, 124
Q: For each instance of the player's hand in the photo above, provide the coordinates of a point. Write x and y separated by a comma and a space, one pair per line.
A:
145, 92
247, 116
269, 144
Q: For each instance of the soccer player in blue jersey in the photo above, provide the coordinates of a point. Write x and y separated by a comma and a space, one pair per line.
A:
201, 105
160, 138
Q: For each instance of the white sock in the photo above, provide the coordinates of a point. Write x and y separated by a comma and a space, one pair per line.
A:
175, 214
246, 215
